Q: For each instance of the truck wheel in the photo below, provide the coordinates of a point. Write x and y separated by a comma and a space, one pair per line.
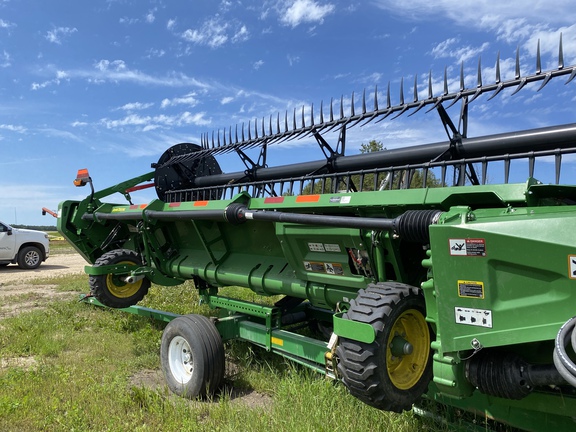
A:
394, 371
29, 257
110, 289
192, 356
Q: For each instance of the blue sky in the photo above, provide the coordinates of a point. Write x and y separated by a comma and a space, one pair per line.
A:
110, 85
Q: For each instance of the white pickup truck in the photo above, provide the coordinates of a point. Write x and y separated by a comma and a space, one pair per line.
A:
27, 248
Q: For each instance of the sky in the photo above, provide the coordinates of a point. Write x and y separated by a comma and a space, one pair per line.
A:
109, 85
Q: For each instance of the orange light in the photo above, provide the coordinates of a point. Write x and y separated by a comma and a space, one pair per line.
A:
82, 177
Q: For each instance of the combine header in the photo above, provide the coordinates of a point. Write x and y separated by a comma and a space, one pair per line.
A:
424, 281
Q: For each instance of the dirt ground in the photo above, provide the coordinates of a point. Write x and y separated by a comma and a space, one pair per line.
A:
55, 265
16, 283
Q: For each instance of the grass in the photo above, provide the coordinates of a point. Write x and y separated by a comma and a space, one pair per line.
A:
71, 367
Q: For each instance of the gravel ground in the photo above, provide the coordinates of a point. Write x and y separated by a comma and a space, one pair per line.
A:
18, 293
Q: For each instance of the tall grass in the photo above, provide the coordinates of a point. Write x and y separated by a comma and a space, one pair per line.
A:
74, 367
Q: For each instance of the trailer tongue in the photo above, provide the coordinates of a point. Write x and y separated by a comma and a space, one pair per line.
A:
430, 283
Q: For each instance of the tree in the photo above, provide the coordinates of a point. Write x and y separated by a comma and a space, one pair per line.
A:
371, 181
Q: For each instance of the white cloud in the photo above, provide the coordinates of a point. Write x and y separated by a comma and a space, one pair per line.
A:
171, 24
5, 60
134, 106
226, 100
149, 123
305, 11
150, 17
56, 35
215, 32
78, 124
257, 65
6, 24
292, 60
450, 49
12, 128
188, 99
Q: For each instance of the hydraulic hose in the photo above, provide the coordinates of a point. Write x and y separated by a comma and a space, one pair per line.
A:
565, 366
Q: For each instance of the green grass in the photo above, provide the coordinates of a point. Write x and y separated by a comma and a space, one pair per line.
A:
85, 358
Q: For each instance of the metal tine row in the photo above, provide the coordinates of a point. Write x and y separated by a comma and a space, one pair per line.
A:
255, 134
390, 177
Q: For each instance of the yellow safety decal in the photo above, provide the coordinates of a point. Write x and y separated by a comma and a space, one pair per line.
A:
118, 209
471, 289
277, 341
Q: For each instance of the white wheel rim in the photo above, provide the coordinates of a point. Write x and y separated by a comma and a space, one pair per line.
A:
180, 360
31, 258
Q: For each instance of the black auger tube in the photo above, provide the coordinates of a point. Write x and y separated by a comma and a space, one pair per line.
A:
412, 226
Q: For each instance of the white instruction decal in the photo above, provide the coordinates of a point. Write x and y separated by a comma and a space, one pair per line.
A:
332, 247
475, 317
316, 247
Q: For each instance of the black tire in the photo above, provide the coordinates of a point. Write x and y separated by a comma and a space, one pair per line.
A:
192, 356
380, 374
29, 258
110, 289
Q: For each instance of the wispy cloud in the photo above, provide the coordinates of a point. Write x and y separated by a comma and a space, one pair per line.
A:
117, 71
215, 32
258, 64
56, 35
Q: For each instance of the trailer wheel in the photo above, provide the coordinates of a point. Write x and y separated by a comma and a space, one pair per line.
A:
192, 356
394, 371
29, 258
110, 289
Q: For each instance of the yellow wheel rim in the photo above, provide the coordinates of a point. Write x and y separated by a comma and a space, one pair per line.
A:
119, 288
405, 368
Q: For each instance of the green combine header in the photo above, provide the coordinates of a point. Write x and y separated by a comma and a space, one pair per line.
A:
425, 283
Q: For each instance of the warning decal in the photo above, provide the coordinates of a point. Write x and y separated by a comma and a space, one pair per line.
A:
328, 268
475, 317
467, 247
572, 266
470, 289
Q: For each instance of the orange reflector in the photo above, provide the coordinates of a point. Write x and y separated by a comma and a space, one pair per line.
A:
200, 203
274, 200
307, 198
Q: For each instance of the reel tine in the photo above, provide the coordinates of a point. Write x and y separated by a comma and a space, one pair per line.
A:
341, 107
445, 81
376, 98
415, 88
352, 114
388, 104
286, 122
462, 76
312, 115
303, 122
402, 91
517, 74
249, 133
364, 101
331, 109
498, 80
321, 111
236, 134
243, 139
538, 60
430, 95
560, 54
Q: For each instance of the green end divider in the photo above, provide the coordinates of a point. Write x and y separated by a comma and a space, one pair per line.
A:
136, 310
349, 329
